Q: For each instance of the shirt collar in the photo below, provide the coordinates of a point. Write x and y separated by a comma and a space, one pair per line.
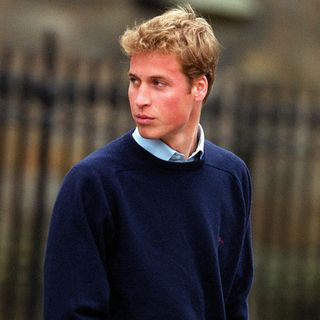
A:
162, 151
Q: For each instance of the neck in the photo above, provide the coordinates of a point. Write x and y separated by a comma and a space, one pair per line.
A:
185, 144
185, 139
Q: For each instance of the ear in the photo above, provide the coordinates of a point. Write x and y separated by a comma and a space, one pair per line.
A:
200, 87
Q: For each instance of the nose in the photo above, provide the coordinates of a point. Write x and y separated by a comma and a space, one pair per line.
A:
143, 96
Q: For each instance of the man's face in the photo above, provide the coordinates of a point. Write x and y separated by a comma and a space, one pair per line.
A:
162, 100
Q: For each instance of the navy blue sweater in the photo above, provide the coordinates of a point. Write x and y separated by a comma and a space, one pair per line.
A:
133, 237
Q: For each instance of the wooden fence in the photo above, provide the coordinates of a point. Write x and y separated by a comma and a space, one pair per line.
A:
53, 112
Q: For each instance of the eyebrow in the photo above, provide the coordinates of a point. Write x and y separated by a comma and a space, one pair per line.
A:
159, 77
130, 74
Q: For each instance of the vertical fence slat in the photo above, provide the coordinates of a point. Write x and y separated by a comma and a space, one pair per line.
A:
16, 230
47, 99
6, 57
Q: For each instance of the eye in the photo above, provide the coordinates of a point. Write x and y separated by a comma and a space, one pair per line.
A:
133, 81
158, 83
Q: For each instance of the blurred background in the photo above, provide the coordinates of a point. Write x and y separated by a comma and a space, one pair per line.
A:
63, 94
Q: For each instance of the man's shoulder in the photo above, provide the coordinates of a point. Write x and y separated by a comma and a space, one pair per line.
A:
110, 153
106, 160
223, 159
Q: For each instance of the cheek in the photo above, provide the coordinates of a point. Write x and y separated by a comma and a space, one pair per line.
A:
129, 93
175, 111
131, 97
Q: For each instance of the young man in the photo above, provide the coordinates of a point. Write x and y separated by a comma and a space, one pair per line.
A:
155, 225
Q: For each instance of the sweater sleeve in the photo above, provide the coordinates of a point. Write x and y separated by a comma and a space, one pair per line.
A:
75, 272
237, 306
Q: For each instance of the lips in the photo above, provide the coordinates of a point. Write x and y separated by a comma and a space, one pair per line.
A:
143, 119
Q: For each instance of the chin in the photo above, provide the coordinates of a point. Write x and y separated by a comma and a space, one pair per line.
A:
149, 134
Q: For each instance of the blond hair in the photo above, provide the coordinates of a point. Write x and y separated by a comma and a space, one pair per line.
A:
181, 32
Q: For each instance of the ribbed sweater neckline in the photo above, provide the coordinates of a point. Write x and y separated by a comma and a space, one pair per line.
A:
149, 159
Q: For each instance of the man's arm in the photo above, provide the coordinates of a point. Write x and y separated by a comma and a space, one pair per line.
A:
75, 279
237, 305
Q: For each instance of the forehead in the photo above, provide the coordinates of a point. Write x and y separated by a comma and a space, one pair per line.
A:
155, 63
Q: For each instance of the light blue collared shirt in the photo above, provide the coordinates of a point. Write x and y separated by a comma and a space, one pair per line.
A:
162, 151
